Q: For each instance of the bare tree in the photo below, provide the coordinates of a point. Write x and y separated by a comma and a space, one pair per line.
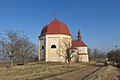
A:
96, 53
16, 46
66, 51
114, 55
70, 52
2, 46
102, 56
27, 49
6, 45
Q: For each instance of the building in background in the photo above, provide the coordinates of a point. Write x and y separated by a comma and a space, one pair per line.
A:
82, 53
55, 38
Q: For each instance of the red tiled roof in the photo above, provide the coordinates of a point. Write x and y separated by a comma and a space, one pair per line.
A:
78, 43
55, 27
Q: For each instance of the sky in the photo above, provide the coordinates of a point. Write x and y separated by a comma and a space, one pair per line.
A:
98, 20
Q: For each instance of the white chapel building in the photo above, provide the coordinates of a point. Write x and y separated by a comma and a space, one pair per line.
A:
55, 38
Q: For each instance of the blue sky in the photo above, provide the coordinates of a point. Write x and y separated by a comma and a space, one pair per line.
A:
98, 20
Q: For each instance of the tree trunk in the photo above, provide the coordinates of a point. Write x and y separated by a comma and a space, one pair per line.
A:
23, 60
11, 62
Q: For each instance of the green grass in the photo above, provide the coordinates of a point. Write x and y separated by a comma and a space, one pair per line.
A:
34, 71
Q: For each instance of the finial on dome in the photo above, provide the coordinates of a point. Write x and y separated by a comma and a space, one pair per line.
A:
79, 36
55, 13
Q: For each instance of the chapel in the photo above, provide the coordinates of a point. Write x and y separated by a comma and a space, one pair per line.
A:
55, 38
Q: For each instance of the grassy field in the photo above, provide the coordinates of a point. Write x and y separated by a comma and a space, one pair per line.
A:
38, 71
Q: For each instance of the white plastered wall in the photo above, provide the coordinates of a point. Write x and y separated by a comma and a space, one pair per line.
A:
55, 54
83, 54
40, 50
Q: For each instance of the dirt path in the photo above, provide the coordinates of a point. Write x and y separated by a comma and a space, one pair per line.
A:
76, 75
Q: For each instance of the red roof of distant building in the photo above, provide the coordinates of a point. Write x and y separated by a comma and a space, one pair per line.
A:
55, 27
78, 43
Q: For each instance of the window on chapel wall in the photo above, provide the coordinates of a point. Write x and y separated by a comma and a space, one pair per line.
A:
42, 47
53, 46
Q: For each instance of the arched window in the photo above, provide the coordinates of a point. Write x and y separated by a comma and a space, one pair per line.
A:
42, 47
53, 46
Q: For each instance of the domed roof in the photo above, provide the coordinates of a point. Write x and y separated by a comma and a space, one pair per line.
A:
55, 27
